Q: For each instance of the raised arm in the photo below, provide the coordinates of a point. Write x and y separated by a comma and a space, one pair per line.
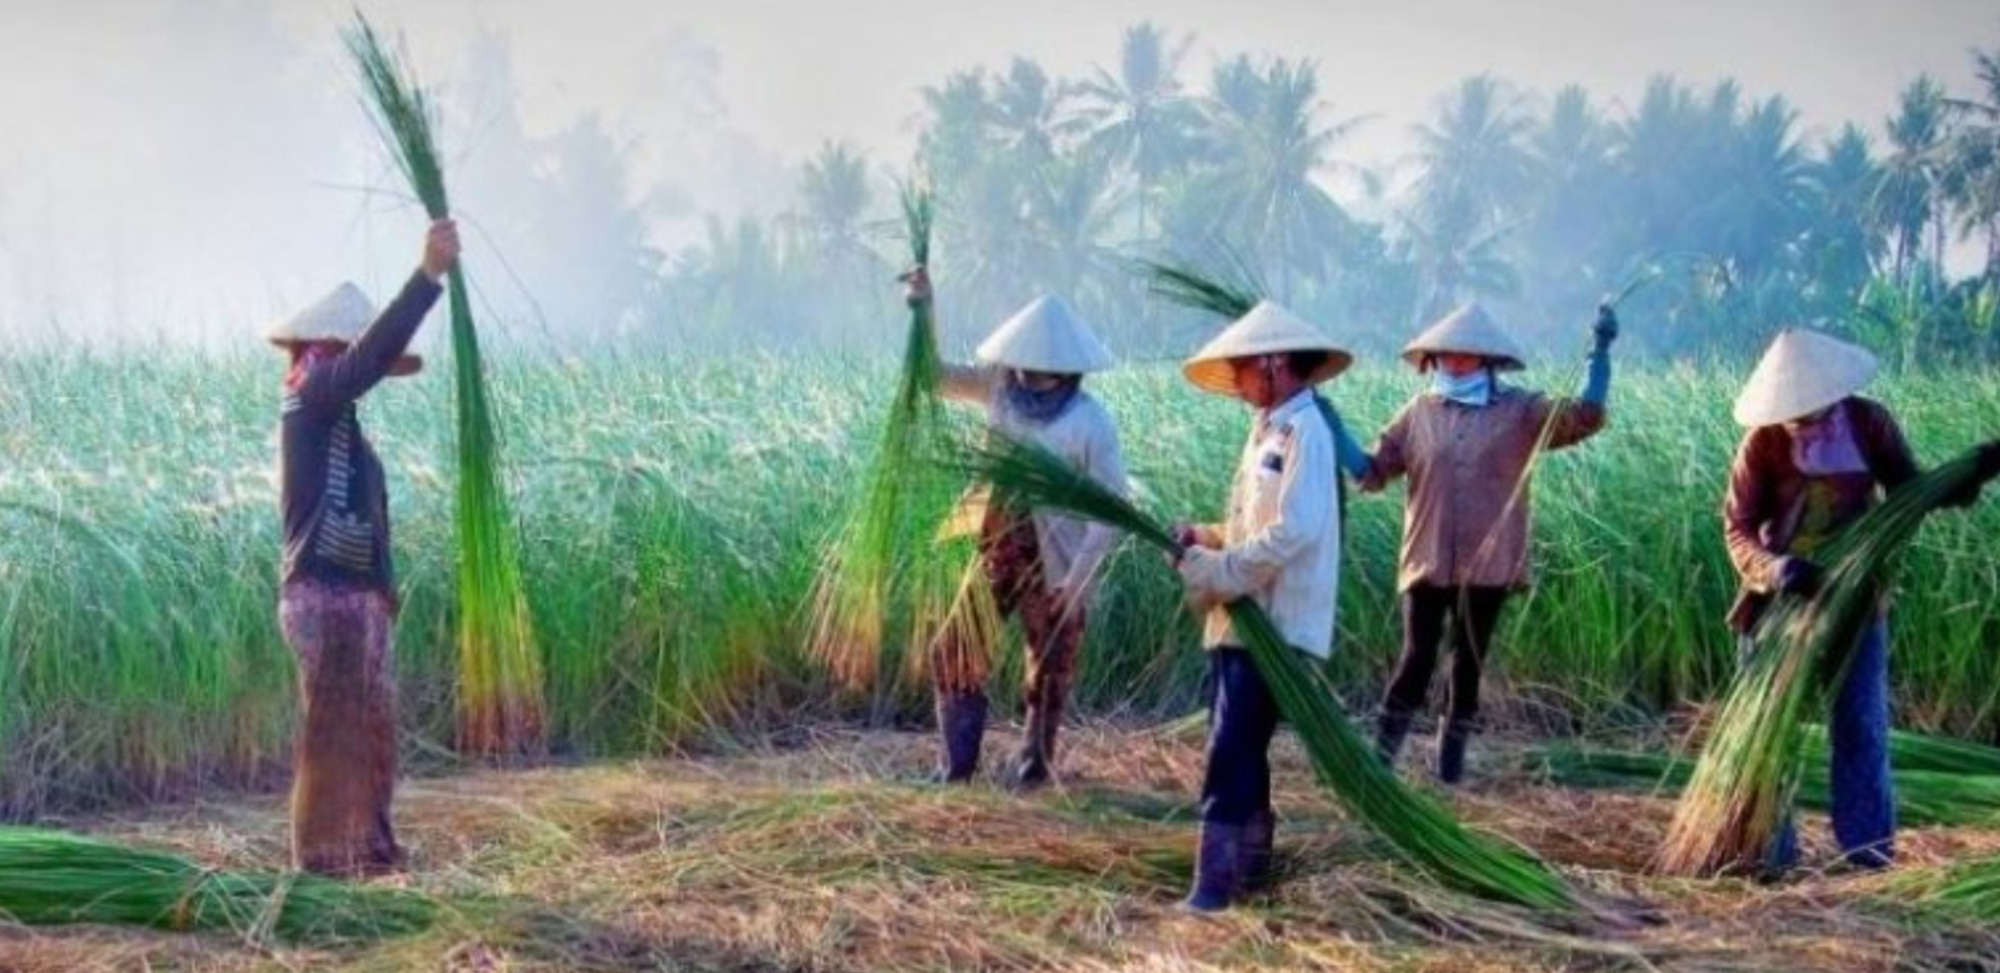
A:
349, 375
961, 383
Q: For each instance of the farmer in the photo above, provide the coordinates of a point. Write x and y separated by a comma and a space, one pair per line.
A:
1281, 547
338, 604
1041, 567
1816, 457
1467, 446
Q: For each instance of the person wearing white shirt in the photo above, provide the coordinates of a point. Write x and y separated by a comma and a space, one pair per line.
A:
1042, 566
1280, 547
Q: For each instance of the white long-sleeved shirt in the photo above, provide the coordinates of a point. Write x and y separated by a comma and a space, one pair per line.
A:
1281, 543
1071, 549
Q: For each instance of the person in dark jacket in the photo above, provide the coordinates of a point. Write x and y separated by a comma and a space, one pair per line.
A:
337, 603
1816, 457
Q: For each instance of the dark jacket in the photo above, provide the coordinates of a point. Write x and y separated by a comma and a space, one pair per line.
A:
333, 496
1765, 503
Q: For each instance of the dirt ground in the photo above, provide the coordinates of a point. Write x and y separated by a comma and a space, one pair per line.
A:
830, 853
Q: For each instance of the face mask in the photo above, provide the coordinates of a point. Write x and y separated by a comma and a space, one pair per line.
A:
1043, 406
1474, 390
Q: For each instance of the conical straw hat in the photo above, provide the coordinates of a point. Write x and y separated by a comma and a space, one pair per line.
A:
1267, 330
1045, 336
1467, 331
340, 316
1802, 372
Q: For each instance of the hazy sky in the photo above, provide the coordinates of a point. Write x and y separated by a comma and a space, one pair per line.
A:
202, 154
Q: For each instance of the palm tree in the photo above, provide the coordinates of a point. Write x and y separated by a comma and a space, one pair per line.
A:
1757, 207
1972, 159
1476, 169
1910, 195
1565, 246
1841, 246
1259, 194
828, 234
1139, 118
1030, 113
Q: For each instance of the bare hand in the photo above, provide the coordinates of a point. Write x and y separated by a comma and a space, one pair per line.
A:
916, 286
440, 248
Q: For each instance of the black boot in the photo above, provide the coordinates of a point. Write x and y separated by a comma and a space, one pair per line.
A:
1217, 867
1259, 833
1392, 727
961, 723
1452, 741
1038, 748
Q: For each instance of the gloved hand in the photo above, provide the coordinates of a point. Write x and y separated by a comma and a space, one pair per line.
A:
1989, 467
1606, 328
1799, 577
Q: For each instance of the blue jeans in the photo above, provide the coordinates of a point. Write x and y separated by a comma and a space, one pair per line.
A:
1864, 795
1242, 717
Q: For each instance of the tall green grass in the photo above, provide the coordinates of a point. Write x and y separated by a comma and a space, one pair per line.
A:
671, 518
500, 670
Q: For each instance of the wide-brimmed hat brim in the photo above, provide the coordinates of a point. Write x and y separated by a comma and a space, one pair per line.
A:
1268, 329
1802, 372
1468, 330
403, 367
1045, 336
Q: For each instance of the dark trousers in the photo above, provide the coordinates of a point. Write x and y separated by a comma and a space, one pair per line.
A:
1242, 717
1471, 614
1864, 793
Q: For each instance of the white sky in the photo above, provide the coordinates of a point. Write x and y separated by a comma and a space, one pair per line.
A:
190, 149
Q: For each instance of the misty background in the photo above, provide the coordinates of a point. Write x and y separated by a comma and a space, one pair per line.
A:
721, 176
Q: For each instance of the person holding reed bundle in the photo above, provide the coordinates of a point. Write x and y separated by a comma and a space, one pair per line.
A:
337, 607
1280, 546
1468, 446
1815, 457
1042, 567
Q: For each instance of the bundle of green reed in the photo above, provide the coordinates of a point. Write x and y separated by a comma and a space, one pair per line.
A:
1967, 892
1932, 788
1749, 770
886, 561
52, 878
500, 671
1423, 833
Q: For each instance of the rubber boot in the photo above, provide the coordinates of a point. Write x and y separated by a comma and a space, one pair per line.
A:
1259, 833
1391, 729
1453, 738
1032, 769
961, 723
1217, 867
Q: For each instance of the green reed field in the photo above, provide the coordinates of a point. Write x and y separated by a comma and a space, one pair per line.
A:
672, 516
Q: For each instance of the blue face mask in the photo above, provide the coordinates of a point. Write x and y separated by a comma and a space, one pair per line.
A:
1474, 390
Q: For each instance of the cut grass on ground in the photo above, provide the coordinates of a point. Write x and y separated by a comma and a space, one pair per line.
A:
829, 856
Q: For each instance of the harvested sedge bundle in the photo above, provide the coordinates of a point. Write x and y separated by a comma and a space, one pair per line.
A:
52, 878
885, 561
1421, 831
1968, 892
500, 671
1749, 770
1928, 791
